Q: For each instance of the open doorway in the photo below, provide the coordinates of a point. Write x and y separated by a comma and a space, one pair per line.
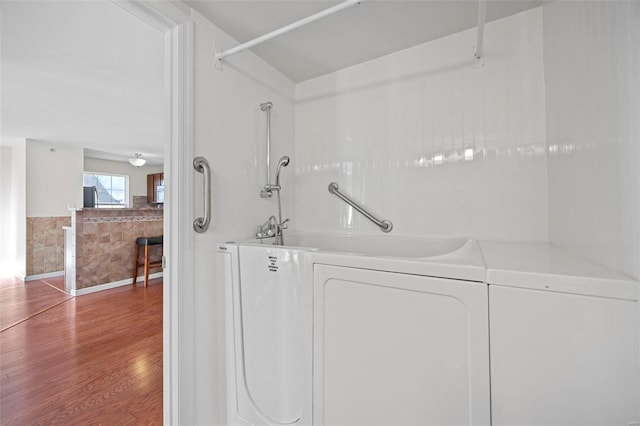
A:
77, 77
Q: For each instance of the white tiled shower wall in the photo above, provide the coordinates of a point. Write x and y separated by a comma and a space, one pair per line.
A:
539, 143
230, 133
428, 139
592, 72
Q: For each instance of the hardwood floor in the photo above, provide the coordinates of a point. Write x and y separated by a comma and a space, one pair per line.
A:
20, 300
57, 282
93, 359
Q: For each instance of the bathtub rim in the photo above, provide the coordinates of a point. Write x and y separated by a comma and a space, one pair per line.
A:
465, 263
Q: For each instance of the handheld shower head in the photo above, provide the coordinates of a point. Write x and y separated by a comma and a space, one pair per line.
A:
284, 162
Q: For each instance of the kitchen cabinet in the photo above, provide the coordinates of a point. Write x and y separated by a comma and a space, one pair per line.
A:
155, 188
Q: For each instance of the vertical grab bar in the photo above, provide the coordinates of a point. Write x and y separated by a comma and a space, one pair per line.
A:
201, 224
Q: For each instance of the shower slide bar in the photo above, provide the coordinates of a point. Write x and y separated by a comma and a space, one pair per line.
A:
258, 40
384, 225
268, 188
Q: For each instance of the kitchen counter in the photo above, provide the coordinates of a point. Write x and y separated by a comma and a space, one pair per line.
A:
105, 243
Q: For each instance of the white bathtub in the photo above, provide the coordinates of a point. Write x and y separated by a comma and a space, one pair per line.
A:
290, 307
457, 258
374, 330
370, 245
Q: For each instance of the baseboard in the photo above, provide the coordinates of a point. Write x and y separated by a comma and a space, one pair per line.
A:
109, 286
43, 276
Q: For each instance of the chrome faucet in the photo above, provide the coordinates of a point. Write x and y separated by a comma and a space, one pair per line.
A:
267, 229
271, 228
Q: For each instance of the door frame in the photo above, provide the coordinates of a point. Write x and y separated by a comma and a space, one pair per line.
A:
174, 21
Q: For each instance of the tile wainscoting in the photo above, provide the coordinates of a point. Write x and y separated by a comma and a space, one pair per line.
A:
105, 243
45, 244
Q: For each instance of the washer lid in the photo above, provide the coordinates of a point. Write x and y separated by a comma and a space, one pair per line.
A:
548, 268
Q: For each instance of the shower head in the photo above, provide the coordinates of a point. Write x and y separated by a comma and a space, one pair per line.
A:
267, 192
284, 162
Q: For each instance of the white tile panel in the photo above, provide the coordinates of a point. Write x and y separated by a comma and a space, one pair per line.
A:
592, 64
394, 132
229, 130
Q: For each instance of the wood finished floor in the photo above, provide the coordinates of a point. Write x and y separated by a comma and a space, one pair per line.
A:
20, 300
90, 360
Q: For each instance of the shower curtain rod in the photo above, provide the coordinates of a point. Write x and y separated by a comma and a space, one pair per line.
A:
340, 6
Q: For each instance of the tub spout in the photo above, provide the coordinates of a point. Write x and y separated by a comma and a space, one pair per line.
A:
267, 229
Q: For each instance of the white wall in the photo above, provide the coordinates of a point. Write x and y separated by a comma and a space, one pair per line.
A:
230, 133
592, 73
7, 247
13, 225
14, 209
19, 205
381, 128
53, 178
137, 176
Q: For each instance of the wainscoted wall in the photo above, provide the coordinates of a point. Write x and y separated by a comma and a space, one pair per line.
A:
427, 139
45, 244
592, 69
105, 243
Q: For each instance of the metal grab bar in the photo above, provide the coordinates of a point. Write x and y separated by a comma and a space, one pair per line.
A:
201, 224
385, 225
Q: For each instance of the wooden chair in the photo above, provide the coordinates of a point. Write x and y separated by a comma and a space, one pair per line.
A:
146, 262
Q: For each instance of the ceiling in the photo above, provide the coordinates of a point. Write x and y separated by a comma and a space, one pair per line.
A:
87, 74
369, 30
90, 74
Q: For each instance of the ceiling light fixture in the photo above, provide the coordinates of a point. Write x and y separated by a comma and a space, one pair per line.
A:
137, 161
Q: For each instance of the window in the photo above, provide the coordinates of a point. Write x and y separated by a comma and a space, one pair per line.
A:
113, 190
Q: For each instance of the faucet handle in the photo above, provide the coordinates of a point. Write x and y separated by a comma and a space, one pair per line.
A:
284, 224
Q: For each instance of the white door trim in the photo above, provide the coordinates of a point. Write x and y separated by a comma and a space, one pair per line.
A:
174, 20
179, 339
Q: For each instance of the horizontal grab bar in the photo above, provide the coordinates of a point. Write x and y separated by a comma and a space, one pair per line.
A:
385, 225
